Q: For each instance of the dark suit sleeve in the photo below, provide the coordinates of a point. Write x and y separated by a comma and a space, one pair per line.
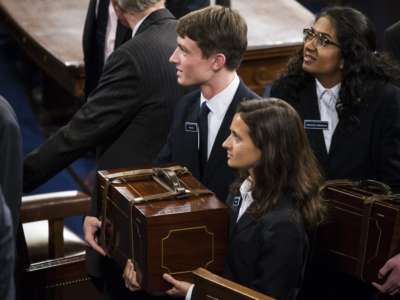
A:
10, 160
109, 109
7, 252
165, 155
390, 140
280, 260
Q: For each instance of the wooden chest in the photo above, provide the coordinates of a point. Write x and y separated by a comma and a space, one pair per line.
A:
362, 231
165, 221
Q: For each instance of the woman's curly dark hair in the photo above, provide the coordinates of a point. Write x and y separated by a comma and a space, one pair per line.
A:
362, 64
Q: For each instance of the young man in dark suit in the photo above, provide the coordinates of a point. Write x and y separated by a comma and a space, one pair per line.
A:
211, 43
207, 58
125, 119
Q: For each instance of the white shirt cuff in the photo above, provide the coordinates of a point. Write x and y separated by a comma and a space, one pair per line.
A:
189, 293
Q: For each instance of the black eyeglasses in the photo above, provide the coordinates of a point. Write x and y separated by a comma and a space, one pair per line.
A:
321, 39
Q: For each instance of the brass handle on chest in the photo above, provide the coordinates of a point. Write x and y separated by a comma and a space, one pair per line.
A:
168, 179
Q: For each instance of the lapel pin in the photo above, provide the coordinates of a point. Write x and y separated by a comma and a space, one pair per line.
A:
236, 201
191, 127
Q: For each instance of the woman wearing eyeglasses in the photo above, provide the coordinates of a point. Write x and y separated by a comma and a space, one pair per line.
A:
342, 88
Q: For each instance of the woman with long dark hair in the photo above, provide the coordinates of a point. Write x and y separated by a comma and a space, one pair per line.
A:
342, 88
274, 203
344, 91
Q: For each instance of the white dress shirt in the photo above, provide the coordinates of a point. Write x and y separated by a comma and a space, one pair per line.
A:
136, 28
247, 200
218, 106
111, 31
327, 99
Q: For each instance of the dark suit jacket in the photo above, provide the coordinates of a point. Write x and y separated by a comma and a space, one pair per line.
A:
7, 252
269, 254
182, 145
127, 117
93, 67
392, 40
10, 160
368, 151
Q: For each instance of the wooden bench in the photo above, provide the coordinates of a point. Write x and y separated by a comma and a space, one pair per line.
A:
50, 32
51, 258
50, 35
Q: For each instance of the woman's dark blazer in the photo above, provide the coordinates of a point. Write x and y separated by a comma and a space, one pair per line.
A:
269, 254
370, 150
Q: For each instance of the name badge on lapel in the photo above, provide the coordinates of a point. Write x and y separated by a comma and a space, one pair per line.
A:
191, 127
316, 124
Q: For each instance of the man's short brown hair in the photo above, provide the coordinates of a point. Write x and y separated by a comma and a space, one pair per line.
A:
216, 29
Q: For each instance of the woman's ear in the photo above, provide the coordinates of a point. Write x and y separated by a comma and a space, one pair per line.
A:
341, 66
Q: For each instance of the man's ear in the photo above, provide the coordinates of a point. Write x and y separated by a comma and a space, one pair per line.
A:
219, 61
120, 13
115, 5
117, 8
